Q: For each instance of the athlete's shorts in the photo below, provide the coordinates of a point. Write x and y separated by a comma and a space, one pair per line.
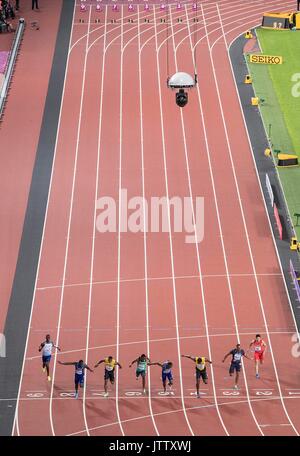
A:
201, 374
167, 376
46, 359
109, 375
258, 355
79, 379
235, 367
141, 373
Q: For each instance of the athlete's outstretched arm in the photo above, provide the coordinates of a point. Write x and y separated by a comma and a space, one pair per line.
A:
87, 367
41, 346
189, 357
247, 357
208, 361
155, 364
118, 364
67, 364
99, 362
135, 361
226, 356
57, 347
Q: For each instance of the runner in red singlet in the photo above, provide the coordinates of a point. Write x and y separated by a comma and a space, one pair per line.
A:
259, 351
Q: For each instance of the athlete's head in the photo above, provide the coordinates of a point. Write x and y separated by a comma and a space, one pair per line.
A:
143, 357
238, 347
199, 359
80, 362
170, 364
110, 358
48, 338
257, 337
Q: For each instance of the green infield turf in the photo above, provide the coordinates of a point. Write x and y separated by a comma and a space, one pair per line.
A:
281, 108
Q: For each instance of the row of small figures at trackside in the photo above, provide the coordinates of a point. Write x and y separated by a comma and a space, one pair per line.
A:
131, 7
144, 20
142, 362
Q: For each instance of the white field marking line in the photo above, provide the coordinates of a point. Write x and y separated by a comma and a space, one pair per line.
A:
219, 221
69, 395
242, 11
251, 24
16, 417
144, 215
94, 220
265, 206
100, 347
195, 231
119, 219
264, 202
169, 226
176, 411
69, 227
212, 62
206, 35
102, 26
97, 184
247, 235
142, 279
70, 49
115, 28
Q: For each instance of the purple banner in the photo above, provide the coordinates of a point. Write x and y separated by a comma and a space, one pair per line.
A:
295, 280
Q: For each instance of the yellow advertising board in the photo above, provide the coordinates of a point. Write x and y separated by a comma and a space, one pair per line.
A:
266, 59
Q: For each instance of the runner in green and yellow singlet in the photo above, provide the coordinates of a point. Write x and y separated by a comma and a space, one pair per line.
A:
141, 369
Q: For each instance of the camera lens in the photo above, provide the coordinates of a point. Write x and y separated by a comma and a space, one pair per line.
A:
181, 98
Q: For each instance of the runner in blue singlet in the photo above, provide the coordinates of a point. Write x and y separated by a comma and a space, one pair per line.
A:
80, 366
166, 373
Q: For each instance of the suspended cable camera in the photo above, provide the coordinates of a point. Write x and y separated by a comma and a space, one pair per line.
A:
182, 80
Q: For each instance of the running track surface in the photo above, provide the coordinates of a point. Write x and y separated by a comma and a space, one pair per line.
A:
123, 293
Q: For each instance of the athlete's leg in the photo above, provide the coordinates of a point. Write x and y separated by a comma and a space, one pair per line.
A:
76, 389
236, 379
144, 382
256, 368
197, 385
164, 384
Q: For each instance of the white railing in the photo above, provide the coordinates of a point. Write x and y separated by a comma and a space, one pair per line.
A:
11, 63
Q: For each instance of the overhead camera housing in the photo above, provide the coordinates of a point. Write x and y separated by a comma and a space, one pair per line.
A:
181, 98
181, 81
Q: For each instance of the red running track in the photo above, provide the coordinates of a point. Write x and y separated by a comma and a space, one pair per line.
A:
124, 293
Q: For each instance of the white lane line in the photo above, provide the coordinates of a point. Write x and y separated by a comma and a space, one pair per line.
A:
169, 224
177, 411
144, 215
221, 229
95, 215
100, 347
16, 417
119, 219
142, 279
69, 229
204, 305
